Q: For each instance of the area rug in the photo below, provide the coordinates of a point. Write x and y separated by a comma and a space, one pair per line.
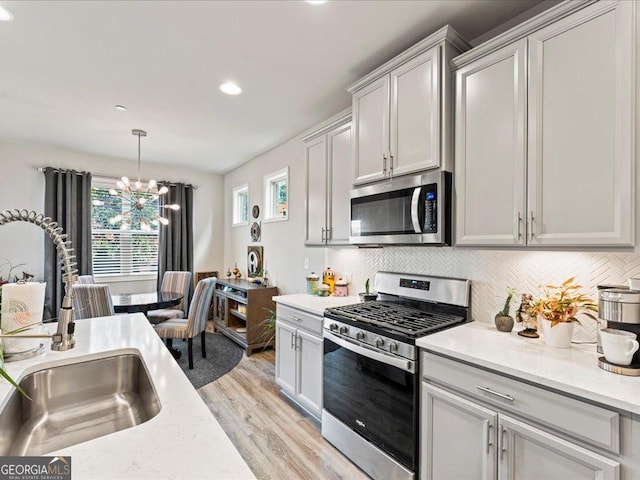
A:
222, 355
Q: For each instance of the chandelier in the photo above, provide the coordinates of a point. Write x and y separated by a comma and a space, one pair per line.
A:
138, 198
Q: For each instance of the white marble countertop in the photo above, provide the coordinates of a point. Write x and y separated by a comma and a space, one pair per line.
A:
314, 304
183, 441
573, 370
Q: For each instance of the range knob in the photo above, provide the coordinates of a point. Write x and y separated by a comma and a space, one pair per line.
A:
393, 347
379, 342
344, 329
359, 335
333, 327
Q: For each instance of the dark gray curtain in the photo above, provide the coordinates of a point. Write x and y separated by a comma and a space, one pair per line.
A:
67, 200
175, 251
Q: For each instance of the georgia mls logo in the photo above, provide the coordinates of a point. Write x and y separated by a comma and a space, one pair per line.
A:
35, 468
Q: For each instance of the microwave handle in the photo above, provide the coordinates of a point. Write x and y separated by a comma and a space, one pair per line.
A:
415, 210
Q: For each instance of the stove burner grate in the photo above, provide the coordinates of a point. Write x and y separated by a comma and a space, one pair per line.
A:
398, 318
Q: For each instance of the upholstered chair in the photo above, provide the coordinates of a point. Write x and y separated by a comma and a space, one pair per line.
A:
179, 282
195, 323
90, 301
85, 280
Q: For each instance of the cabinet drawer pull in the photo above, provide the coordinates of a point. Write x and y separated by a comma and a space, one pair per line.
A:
497, 394
291, 317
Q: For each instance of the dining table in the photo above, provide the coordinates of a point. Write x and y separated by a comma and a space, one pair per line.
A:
143, 302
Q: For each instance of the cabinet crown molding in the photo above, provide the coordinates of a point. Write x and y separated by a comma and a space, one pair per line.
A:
445, 34
335, 121
524, 29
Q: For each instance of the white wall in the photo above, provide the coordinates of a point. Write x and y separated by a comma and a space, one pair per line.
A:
283, 241
22, 187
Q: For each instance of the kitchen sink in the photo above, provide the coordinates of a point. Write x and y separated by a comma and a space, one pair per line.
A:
73, 403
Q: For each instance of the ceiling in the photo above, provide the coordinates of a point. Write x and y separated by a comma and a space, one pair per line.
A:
65, 65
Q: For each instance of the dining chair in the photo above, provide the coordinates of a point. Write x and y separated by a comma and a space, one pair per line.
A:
173, 282
90, 301
195, 323
85, 280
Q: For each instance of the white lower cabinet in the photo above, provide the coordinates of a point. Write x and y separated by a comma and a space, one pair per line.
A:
461, 438
299, 357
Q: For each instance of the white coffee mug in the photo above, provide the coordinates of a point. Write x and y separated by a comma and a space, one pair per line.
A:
618, 345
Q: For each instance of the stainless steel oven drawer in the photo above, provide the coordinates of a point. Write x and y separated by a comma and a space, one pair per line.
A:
567, 415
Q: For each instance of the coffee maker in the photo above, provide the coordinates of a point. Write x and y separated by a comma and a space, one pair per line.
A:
619, 308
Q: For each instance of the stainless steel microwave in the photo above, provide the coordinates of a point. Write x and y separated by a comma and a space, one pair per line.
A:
403, 211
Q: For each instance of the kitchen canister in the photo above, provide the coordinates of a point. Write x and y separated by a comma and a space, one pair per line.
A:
329, 278
22, 306
312, 283
341, 288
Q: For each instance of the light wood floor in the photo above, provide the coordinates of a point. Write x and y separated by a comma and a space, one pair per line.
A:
277, 440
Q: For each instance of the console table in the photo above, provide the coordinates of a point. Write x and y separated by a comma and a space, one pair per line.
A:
239, 311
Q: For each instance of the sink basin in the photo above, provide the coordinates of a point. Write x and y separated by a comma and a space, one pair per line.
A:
73, 403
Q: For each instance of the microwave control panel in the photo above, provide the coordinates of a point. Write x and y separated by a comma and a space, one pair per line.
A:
430, 209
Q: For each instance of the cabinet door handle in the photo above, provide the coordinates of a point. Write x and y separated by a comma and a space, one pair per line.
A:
532, 220
519, 226
327, 236
390, 165
323, 234
293, 339
501, 443
488, 426
298, 345
384, 164
497, 394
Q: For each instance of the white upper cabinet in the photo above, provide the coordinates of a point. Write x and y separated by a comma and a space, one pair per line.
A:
400, 121
544, 141
580, 137
371, 131
490, 148
328, 172
414, 129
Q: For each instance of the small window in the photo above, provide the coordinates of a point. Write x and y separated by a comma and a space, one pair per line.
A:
241, 205
276, 191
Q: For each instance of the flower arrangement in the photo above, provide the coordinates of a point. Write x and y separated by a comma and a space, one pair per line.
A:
562, 303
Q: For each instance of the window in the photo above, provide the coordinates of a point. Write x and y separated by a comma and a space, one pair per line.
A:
117, 249
241, 205
276, 195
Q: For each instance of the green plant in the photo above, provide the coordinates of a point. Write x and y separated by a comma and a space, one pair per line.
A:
507, 304
562, 303
366, 287
269, 323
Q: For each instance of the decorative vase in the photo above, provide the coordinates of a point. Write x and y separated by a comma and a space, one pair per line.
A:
558, 336
504, 323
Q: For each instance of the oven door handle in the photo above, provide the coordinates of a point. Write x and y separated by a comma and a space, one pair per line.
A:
402, 364
415, 207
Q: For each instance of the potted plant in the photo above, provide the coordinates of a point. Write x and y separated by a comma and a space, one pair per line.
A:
558, 311
269, 328
503, 320
367, 295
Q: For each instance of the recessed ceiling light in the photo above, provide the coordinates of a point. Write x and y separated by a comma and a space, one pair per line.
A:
5, 15
316, 2
121, 108
230, 88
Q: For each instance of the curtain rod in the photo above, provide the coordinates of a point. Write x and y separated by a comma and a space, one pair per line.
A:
109, 177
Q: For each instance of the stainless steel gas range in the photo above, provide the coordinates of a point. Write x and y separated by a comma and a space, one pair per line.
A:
370, 368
